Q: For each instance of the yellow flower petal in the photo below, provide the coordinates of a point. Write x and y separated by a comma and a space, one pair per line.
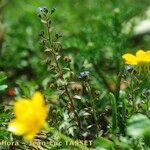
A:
38, 103
142, 58
130, 59
22, 108
37, 99
30, 116
147, 56
140, 53
17, 127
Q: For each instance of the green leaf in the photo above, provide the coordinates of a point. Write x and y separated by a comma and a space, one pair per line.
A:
138, 126
103, 143
114, 113
2, 76
3, 87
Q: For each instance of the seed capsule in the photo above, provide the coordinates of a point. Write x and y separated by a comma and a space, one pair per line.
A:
77, 87
52, 85
67, 59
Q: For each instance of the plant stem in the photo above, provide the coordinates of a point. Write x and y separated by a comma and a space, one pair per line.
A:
132, 93
72, 104
147, 103
61, 76
93, 106
48, 30
114, 114
69, 96
124, 113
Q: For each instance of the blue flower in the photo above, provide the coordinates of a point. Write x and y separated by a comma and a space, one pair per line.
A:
129, 68
84, 74
42, 9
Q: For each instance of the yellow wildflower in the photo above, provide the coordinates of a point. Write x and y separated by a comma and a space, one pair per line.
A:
141, 58
30, 116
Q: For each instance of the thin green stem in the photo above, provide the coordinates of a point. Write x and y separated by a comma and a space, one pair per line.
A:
147, 103
114, 114
132, 92
48, 30
123, 115
120, 73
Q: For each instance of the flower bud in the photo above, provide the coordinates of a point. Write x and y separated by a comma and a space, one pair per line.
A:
67, 59
77, 87
42, 10
72, 75
52, 85
97, 93
53, 10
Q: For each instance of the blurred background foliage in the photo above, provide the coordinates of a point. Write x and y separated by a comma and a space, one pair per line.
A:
95, 34
93, 31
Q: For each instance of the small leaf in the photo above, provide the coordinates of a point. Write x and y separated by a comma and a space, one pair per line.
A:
67, 69
85, 134
84, 113
90, 126
2, 76
43, 21
48, 50
77, 97
138, 126
3, 87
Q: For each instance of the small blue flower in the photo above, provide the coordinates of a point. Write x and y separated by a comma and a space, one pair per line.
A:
129, 68
42, 9
147, 91
84, 74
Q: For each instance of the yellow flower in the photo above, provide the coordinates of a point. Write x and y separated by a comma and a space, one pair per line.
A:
141, 58
30, 116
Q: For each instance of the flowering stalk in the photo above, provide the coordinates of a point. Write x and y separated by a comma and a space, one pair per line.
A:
52, 49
